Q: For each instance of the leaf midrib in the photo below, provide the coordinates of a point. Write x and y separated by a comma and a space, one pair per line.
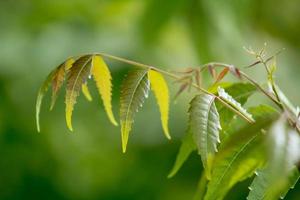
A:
131, 98
83, 66
234, 158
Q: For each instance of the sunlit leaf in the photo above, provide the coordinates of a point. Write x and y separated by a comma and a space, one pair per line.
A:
239, 156
103, 78
86, 92
77, 76
187, 147
135, 89
280, 174
204, 124
161, 91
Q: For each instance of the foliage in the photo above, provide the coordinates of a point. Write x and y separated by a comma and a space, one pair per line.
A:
234, 143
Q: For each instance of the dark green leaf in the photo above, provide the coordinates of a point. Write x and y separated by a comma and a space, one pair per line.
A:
239, 156
135, 89
278, 176
204, 124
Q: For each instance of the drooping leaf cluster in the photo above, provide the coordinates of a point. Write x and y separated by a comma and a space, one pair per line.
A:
234, 142
134, 90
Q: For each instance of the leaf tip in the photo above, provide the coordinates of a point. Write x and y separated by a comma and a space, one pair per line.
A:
69, 124
167, 134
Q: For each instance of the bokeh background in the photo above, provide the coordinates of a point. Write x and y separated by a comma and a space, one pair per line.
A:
37, 35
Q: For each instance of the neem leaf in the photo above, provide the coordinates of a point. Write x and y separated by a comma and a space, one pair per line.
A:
86, 92
232, 102
42, 91
187, 147
77, 76
58, 79
103, 78
205, 125
241, 92
134, 90
239, 156
280, 173
161, 91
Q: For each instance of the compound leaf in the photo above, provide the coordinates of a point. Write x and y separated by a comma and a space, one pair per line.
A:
134, 90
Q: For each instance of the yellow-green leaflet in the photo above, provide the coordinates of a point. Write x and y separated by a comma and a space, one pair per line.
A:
103, 78
86, 92
43, 89
161, 92
77, 76
58, 79
134, 90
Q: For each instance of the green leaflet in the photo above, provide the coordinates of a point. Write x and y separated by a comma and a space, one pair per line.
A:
280, 173
263, 189
134, 90
239, 156
241, 92
187, 147
204, 124
77, 76
232, 102
42, 91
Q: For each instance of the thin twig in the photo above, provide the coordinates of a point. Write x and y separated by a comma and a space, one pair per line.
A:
174, 76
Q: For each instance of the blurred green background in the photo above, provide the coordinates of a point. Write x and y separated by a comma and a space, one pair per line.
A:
37, 35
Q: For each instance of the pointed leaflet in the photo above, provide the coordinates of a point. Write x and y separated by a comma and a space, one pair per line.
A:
134, 90
77, 76
86, 92
59, 78
239, 91
204, 124
187, 147
240, 155
56, 77
43, 89
161, 91
103, 78
233, 103
280, 173
262, 189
